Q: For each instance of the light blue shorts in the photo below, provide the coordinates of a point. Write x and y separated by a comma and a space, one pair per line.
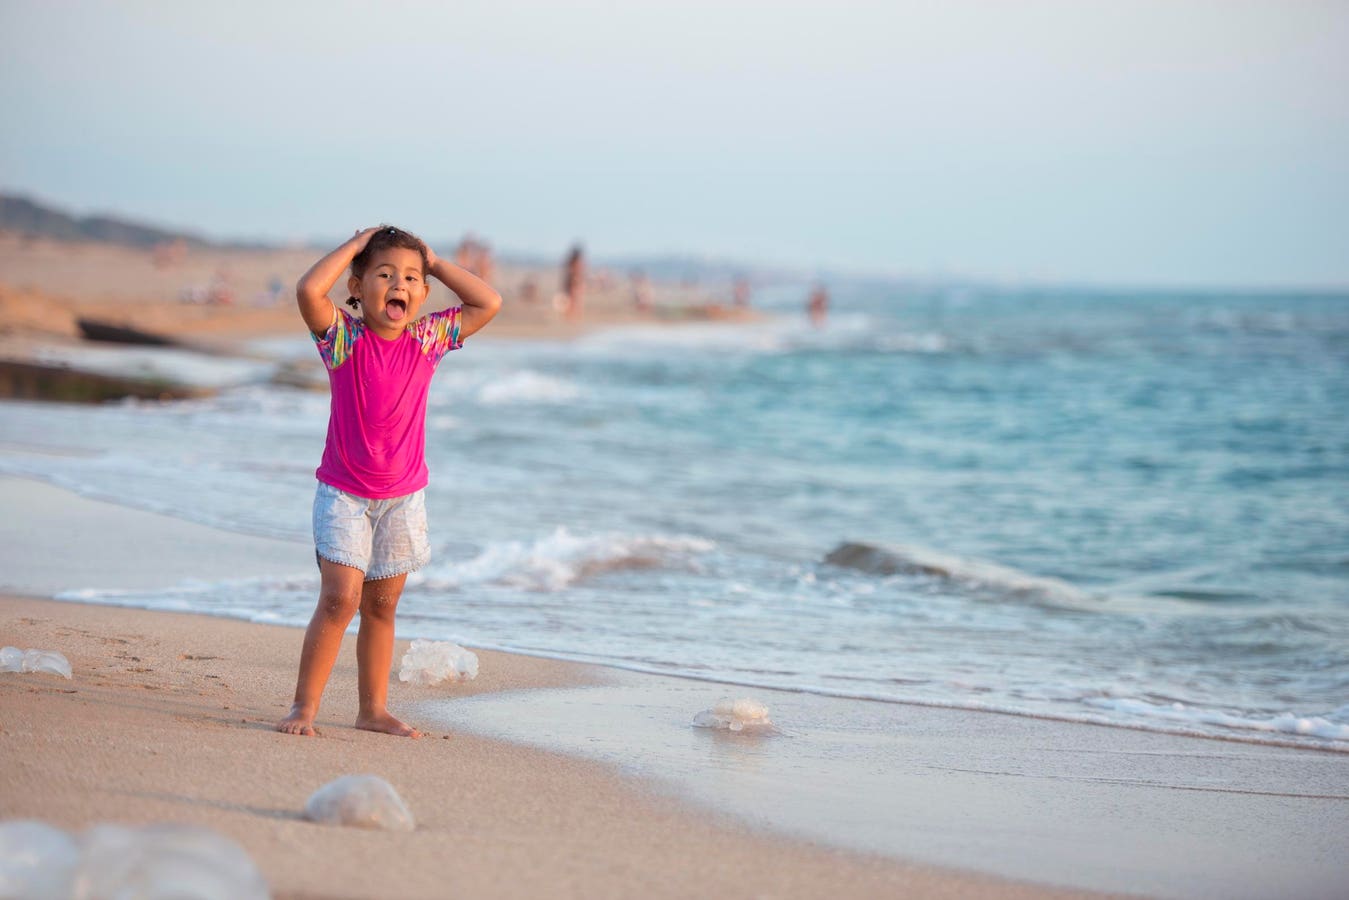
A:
382, 538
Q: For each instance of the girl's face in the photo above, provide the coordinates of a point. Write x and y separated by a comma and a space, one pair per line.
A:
391, 291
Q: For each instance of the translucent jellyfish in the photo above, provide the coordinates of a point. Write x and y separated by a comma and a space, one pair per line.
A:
46, 661
743, 715
37, 861
431, 662
12, 659
361, 801
166, 862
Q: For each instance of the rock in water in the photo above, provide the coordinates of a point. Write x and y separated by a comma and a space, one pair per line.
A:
431, 662
361, 801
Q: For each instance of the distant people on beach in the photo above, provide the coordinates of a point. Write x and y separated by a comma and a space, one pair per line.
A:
740, 292
817, 307
369, 509
465, 252
221, 289
643, 296
572, 296
475, 256
486, 266
529, 289
168, 254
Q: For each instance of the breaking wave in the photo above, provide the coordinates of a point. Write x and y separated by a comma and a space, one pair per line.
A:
527, 387
562, 559
901, 559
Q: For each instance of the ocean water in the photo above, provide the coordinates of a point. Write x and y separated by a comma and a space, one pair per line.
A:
1124, 508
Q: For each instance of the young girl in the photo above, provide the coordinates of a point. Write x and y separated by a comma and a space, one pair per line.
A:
369, 510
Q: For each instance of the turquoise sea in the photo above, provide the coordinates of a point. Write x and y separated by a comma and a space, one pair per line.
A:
1126, 507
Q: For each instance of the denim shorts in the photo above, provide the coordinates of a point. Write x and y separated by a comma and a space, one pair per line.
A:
382, 538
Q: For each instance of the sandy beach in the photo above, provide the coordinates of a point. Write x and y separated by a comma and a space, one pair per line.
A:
547, 777
126, 285
169, 718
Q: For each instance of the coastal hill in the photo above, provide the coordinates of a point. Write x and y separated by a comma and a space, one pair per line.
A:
23, 216
36, 220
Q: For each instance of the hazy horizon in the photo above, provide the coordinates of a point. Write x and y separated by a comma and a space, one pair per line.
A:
1182, 144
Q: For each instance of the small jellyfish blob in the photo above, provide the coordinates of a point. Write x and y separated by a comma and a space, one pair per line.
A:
37, 860
12, 659
166, 860
359, 801
740, 716
433, 662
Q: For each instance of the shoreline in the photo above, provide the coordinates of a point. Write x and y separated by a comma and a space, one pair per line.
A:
170, 721
868, 794
163, 724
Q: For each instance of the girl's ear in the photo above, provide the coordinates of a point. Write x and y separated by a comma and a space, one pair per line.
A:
354, 287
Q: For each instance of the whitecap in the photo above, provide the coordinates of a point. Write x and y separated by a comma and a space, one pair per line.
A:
527, 387
555, 562
1288, 723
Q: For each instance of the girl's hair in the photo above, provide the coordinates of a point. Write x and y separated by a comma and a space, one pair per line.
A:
387, 237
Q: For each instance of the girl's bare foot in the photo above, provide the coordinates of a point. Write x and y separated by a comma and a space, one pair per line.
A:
299, 721
383, 722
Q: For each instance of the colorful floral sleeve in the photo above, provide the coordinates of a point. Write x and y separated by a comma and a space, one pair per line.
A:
336, 343
438, 333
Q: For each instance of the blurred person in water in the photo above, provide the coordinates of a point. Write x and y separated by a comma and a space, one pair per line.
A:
572, 296
817, 307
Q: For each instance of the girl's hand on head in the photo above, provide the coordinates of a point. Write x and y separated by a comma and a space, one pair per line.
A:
430, 255
362, 238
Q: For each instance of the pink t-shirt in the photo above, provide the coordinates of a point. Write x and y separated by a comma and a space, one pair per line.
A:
377, 423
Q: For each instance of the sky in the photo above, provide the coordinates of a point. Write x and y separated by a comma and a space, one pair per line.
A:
1143, 143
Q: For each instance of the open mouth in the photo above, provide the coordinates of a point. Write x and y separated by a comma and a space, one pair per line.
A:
396, 309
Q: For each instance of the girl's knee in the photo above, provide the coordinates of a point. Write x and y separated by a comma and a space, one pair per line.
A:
379, 601
337, 603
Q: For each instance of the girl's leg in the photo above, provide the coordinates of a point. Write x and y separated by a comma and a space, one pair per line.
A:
374, 655
339, 598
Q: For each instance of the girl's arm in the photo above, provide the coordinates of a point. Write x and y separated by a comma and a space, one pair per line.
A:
480, 301
312, 290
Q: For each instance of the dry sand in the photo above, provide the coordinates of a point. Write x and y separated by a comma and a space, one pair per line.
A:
46, 285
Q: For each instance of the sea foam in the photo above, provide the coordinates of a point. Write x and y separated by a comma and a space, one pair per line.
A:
527, 387
1310, 726
561, 559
